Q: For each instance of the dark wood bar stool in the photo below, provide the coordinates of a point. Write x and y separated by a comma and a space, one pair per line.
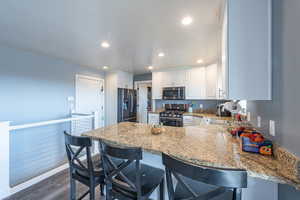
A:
200, 182
85, 171
131, 179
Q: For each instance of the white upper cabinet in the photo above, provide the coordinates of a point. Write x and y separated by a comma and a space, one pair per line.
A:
157, 85
196, 83
249, 49
163, 79
175, 78
211, 81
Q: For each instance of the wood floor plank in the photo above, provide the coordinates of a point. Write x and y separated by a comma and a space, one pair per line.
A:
54, 188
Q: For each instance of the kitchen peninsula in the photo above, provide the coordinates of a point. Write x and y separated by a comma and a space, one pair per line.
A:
208, 145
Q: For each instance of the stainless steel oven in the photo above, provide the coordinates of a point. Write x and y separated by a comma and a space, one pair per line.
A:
173, 115
170, 121
174, 93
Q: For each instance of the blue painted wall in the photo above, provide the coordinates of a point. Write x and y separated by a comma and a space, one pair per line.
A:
35, 88
284, 107
208, 105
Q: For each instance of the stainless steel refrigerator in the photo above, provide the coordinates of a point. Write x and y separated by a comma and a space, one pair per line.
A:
126, 105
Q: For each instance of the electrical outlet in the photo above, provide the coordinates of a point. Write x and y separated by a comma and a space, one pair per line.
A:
258, 121
201, 106
272, 127
248, 116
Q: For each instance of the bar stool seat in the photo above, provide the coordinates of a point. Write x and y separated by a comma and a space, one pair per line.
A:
151, 178
131, 179
199, 188
98, 170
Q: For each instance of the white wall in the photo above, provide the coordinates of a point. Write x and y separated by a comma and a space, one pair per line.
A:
111, 95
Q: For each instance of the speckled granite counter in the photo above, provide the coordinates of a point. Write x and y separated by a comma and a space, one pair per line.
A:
207, 145
156, 112
208, 115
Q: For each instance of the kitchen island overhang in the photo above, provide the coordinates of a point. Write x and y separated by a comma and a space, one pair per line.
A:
205, 145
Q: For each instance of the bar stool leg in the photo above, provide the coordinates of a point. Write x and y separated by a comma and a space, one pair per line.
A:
72, 189
162, 190
92, 192
237, 194
108, 195
102, 189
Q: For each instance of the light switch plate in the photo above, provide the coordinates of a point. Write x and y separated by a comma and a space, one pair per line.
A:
259, 121
272, 127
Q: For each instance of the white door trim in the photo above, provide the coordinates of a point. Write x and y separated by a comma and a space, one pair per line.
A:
77, 77
136, 86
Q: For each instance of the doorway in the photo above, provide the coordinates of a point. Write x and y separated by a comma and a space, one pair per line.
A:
90, 96
144, 100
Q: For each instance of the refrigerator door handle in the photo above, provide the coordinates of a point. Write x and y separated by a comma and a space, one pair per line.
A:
131, 106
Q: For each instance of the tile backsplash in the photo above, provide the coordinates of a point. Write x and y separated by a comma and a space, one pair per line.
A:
208, 105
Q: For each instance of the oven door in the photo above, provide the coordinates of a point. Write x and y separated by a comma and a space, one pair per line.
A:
174, 93
171, 122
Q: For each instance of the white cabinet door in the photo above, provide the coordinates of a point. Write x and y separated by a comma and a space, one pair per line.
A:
174, 78
157, 78
211, 81
153, 118
249, 49
192, 121
196, 83
223, 69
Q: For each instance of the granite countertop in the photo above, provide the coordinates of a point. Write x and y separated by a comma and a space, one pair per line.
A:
156, 111
195, 114
207, 115
209, 145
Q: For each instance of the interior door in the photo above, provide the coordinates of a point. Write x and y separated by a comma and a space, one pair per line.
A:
90, 96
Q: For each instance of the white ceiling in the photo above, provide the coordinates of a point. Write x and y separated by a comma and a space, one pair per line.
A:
136, 29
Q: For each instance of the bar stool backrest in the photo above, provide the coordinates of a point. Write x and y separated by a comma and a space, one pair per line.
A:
131, 156
77, 147
225, 178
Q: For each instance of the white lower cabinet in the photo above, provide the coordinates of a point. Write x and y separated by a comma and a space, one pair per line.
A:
192, 121
153, 118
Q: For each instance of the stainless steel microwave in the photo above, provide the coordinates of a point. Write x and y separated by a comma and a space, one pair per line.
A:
173, 93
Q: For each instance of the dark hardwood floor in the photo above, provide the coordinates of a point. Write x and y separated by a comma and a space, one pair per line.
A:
53, 188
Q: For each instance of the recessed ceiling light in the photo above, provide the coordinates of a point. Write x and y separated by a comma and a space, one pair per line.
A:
105, 44
187, 20
200, 61
105, 67
161, 54
150, 67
